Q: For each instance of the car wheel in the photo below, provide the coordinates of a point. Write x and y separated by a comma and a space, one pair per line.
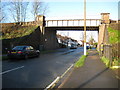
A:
38, 54
26, 57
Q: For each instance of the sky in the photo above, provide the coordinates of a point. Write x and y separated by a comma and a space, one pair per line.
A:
73, 9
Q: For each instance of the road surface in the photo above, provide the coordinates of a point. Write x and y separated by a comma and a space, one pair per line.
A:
38, 72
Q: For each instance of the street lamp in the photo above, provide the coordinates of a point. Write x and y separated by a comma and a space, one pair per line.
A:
84, 27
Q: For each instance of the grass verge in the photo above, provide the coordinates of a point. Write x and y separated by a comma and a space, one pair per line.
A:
106, 61
81, 61
115, 63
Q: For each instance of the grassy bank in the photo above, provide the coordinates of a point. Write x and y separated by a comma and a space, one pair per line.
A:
114, 64
105, 61
17, 31
114, 35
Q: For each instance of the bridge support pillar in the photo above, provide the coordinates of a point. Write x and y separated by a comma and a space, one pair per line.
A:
50, 39
40, 21
105, 18
103, 33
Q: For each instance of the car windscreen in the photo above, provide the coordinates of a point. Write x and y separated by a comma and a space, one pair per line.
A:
19, 48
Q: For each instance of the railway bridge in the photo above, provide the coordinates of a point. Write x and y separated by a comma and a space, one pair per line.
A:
50, 27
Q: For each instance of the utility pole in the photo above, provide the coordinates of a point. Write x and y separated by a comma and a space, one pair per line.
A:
84, 27
68, 39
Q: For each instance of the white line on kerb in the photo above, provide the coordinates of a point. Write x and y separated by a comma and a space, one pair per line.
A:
67, 70
57, 79
11, 70
52, 84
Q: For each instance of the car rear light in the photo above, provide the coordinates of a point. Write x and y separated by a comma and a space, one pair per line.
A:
20, 52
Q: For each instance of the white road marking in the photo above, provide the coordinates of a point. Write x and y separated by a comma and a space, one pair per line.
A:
57, 79
52, 84
66, 71
11, 70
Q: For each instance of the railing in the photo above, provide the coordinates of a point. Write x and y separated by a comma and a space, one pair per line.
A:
73, 22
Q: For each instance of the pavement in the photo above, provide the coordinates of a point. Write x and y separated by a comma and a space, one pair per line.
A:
94, 74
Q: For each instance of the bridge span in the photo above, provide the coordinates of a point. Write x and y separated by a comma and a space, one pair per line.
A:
73, 28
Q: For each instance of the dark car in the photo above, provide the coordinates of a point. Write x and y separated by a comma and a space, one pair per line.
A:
23, 52
88, 47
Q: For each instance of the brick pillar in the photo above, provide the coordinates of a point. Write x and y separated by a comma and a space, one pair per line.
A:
40, 21
105, 18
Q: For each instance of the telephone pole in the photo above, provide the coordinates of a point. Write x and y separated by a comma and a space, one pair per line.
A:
84, 27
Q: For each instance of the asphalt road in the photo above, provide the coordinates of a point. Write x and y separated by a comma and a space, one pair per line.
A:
38, 72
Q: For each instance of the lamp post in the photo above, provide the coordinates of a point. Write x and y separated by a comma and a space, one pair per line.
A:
84, 27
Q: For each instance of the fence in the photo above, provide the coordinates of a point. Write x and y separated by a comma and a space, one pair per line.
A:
115, 50
107, 51
111, 52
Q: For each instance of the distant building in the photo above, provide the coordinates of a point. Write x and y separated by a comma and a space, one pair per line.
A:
64, 40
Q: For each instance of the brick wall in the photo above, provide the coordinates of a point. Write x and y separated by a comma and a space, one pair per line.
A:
115, 26
34, 39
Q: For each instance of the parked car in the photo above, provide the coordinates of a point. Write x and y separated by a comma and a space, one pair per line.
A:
73, 46
88, 47
23, 52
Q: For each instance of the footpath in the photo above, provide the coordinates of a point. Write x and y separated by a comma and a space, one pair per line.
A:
94, 74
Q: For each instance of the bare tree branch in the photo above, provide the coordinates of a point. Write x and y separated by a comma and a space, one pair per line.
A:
36, 8
2, 13
39, 8
19, 9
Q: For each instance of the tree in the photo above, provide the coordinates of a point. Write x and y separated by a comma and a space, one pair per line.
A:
2, 12
24, 11
91, 40
38, 8
18, 10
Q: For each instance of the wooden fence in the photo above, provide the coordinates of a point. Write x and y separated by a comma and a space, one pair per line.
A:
111, 51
